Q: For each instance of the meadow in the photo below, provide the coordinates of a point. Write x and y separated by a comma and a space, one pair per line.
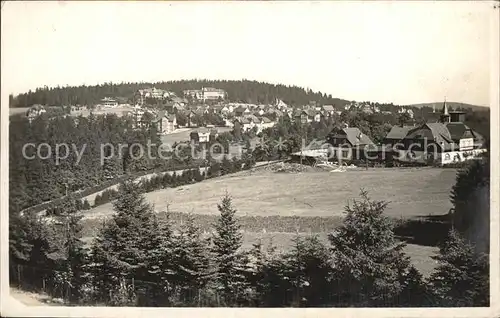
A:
18, 110
411, 193
275, 207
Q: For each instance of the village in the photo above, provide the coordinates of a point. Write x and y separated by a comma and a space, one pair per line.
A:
199, 116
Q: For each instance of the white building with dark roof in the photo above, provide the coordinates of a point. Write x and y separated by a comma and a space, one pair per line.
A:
108, 102
206, 93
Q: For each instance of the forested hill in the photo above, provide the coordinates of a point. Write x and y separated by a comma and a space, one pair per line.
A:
238, 91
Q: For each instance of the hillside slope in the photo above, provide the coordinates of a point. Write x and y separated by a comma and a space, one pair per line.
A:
238, 91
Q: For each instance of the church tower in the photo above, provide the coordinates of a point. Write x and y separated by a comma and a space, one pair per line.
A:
445, 114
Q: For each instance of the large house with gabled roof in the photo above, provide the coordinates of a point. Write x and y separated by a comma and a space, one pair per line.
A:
349, 136
396, 134
449, 140
349, 143
164, 122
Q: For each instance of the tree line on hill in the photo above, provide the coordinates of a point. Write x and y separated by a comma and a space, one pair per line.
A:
138, 259
244, 91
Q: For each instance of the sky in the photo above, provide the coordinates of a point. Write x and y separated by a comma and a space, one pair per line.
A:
406, 52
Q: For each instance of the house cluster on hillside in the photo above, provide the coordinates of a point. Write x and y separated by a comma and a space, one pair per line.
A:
193, 108
155, 93
249, 122
365, 107
152, 93
309, 114
406, 110
449, 138
245, 116
231, 114
447, 141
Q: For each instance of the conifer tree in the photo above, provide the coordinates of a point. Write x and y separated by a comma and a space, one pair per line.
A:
227, 241
174, 179
415, 291
185, 177
33, 243
255, 273
105, 196
226, 165
215, 170
166, 180
471, 199
269, 277
163, 266
191, 260
368, 260
19, 240
86, 205
73, 267
97, 200
462, 276
309, 272
79, 204
237, 164
128, 245
155, 183
198, 176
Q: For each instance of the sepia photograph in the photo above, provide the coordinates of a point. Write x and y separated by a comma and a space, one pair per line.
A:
304, 158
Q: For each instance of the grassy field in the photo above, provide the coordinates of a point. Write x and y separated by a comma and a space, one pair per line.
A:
411, 192
18, 110
22, 110
277, 206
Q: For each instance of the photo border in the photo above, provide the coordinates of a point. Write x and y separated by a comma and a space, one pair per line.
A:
10, 307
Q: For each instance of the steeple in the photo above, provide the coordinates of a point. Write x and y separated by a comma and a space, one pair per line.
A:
445, 114
445, 108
